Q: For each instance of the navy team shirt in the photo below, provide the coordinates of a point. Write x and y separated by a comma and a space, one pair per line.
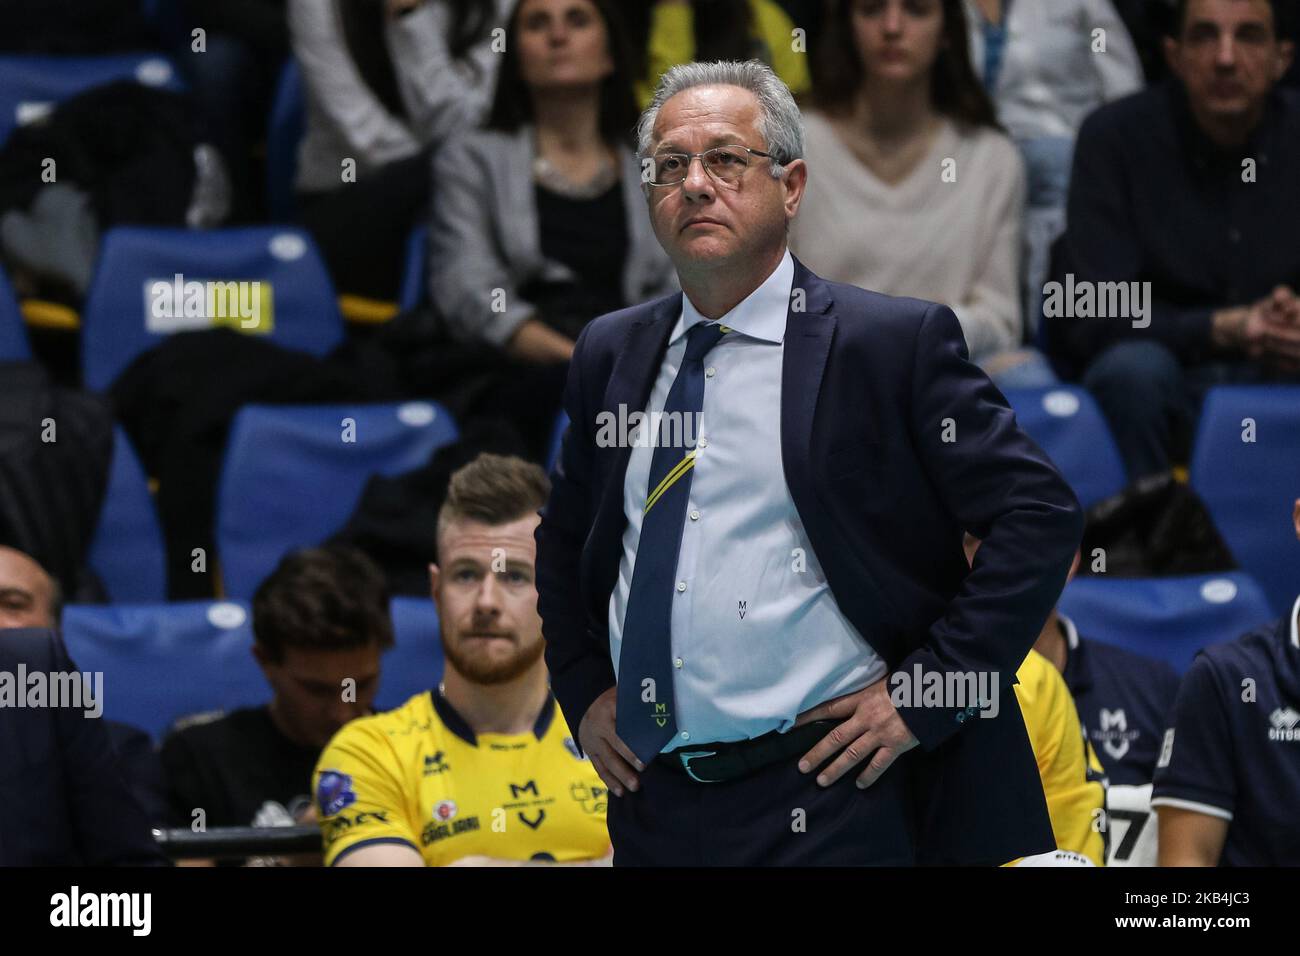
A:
1237, 759
1124, 700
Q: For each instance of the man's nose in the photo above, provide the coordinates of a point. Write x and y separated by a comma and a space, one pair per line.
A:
698, 184
1225, 55
488, 601
892, 23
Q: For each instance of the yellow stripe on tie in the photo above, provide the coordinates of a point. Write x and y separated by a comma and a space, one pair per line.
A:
679, 469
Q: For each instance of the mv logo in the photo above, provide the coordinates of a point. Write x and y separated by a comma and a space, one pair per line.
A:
648, 697
529, 787
1118, 720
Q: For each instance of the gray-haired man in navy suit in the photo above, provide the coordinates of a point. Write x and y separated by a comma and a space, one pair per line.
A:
743, 603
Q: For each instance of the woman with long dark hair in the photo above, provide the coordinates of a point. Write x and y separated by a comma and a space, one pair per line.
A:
913, 187
539, 221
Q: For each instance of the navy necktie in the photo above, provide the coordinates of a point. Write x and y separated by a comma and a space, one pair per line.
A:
645, 718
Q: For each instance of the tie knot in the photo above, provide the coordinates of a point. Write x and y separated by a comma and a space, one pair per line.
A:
700, 339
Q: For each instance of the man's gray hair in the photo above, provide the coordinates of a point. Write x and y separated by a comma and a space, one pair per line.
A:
779, 122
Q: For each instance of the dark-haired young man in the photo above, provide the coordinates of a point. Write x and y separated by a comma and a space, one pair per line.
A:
320, 623
481, 770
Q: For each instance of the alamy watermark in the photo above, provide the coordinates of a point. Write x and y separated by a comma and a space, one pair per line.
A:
53, 689
1098, 300
973, 691
180, 304
638, 429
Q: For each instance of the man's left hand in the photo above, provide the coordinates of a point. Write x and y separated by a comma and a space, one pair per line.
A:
870, 724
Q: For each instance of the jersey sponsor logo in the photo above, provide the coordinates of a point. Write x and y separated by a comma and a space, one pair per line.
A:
436, 764
593, 799
1114, 736
336, 827
435, 831
334, 792
533, 822
522, 807
445, 810
517, 789
1284, 721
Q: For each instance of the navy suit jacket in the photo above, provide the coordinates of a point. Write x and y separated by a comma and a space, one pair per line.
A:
893, 444
64, 797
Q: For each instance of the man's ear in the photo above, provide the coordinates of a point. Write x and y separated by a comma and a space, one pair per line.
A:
1173, 59
1295, 518
796, 179
263, 659
1285, 55
435, 577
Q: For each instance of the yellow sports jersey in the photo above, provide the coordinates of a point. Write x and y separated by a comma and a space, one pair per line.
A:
1075, 797
418, 775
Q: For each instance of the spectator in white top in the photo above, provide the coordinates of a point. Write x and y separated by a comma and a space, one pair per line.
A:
383, 88
1047, 64
918, 191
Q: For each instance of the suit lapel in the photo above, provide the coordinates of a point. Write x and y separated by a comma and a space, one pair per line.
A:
630, 383
809, 329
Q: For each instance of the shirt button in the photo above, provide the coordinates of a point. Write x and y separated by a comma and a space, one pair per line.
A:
677, 662
695, 516
685, 735
708, 372
681, 585
704, 443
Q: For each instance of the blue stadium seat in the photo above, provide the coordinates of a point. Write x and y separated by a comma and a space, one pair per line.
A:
13, 335
1167, 618
127, 307
1251, 487
31, 86
127, 551
1066, 423
414, 289
557, 439
291, 478
284, 131
415, 662
164, 661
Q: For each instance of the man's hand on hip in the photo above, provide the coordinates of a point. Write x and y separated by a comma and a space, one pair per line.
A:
613, 760
870, 724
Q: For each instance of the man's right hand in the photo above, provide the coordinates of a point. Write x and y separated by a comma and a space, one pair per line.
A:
614, 762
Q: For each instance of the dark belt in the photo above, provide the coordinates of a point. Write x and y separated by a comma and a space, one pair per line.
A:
718, 763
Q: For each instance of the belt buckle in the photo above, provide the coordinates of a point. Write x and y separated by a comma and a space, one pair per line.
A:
686, 756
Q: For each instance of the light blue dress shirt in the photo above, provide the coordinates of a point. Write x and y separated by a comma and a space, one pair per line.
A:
757, 636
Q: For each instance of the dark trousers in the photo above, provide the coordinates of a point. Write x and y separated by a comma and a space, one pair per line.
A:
1152, 401
774, 817
362, 227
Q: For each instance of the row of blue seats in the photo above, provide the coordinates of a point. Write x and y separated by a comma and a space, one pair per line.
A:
161, 662
290, 479
291, 476
1245, 466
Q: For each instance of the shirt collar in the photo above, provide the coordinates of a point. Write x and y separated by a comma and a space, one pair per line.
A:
1076, 673
1071, 632
1295, 629
461, 728
760, 315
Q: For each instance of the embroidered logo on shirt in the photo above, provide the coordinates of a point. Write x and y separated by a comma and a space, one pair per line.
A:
1284, 722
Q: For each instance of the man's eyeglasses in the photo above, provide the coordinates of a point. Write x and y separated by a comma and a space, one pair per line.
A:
724, 163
